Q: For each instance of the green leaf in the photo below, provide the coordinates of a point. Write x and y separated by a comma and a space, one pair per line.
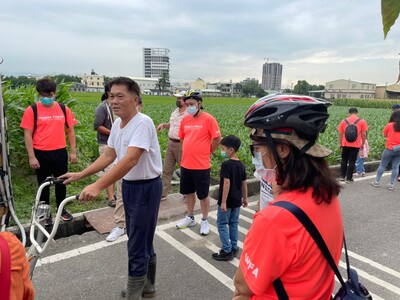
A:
390, 12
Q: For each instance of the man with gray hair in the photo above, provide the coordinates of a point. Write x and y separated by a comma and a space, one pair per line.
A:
133, 145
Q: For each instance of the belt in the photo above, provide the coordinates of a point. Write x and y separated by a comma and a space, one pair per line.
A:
175, 140
140, 181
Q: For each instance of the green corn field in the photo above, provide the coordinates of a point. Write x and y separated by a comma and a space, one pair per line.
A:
228, 112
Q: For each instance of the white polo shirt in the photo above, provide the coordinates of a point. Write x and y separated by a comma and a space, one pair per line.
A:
140, 132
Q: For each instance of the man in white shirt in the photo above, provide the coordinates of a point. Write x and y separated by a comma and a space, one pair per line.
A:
133, 145
173, 152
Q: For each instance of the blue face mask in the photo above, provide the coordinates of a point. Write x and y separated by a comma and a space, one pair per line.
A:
192, 110
223, 154
46, 100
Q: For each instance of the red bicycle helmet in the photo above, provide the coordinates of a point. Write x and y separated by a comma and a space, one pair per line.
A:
307, 116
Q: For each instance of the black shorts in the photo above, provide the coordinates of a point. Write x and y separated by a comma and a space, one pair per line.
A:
195, 181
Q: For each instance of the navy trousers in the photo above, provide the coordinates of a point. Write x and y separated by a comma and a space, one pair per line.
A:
141, 202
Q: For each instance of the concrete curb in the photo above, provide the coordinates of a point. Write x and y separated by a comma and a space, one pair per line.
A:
79, 224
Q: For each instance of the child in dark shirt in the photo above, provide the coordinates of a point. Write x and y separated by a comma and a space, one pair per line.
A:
232, 195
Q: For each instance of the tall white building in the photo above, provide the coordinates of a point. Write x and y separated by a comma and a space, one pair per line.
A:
272, 76
155, 62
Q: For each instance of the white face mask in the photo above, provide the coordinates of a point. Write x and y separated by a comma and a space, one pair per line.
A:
269, 175
257, 161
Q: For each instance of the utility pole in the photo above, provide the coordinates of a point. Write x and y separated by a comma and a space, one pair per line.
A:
398, 78
348, 90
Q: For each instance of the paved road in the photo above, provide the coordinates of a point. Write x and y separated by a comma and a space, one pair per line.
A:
87, 267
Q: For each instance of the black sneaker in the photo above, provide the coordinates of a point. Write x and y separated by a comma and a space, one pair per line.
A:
66, 216
342, 178
222, 256
349, 180
235, 252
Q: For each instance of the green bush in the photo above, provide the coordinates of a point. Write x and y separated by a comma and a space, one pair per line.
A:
366, 103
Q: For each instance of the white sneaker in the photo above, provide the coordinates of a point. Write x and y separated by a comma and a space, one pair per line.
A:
375, 184
115, 233
204, 227
186, 222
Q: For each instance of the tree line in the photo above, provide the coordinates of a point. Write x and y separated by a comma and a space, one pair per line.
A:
28, 80
251, 88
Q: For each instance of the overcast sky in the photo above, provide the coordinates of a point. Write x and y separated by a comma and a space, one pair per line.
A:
219, 40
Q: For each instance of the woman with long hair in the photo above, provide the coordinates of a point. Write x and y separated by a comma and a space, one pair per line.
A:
392, 151
284, 131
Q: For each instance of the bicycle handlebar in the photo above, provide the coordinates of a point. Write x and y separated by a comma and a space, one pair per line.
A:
40, 249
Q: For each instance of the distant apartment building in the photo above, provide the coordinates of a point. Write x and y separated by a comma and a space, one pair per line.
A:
155, 62
248, 80
148, 86
345, 88
230, 89
93, 82
272, 76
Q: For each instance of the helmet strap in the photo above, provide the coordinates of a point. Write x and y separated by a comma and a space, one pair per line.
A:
306, 147
197, 110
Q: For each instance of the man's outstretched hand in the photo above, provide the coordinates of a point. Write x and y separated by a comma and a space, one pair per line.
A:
90, 192
71, 177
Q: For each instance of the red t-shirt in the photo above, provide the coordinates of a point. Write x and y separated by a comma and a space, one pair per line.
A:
278, 246
21, 284
361, 127
392, 137
50, 126
197, 134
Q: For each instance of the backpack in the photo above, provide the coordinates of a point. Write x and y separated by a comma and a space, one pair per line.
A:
34, 108
351, 131
351, 289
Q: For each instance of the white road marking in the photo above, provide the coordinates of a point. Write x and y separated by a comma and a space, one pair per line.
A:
373, 279
224, 279
373, 264
220, 276
206, 243
78, 251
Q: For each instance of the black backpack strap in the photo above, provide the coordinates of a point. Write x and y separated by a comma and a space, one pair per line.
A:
34, 109
347, 121
280, 290
314, 233
64, 110
358, 120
